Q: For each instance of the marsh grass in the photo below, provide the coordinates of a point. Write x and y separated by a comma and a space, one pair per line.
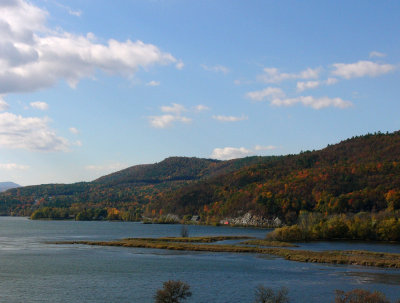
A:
352, 257
268, 243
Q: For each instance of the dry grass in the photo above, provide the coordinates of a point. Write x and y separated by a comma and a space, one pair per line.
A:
353, 257
269, 243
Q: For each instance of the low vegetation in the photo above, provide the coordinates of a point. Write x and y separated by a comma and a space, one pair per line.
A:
353, 257
268, 295
173, 292
361, 296
178, 291
269, 243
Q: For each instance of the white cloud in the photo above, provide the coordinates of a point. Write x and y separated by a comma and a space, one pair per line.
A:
301, 86
164, 121
216, 68
39, 105
230, 118
331, 81
3, 104
179, 65
175, 108
33, 56
272, 75
29, 133
13, 166
153, 83
316, 103
77, 143
269, 92
173, 115
376, 54
74, 130
228, 153
201, 107
361, 69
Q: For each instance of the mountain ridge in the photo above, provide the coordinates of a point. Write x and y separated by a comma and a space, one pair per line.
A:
357, 174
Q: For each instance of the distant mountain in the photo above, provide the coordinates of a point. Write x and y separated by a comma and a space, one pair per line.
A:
7, 185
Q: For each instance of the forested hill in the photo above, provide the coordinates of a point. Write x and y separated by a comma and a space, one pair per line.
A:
358, 174
176, 169
355, 175
131, 187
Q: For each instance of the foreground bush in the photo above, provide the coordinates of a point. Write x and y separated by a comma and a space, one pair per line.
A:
173, 292
360, 296
268, 295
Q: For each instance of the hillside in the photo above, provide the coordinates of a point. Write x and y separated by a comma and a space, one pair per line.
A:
133, 186
361, 174
358, 174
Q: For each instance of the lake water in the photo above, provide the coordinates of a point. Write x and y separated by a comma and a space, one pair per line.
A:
33, 271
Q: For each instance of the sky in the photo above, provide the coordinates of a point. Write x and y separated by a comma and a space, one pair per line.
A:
91, 87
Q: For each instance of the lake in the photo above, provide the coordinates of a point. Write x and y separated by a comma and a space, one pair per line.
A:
33, 271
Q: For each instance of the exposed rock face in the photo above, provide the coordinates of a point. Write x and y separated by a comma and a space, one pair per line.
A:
252, 220
172, 218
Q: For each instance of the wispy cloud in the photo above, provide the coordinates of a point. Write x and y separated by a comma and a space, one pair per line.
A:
3, 104
216, 68
375, 54
201, 108
361, 69
272, 75
230, 118
310, 101
269, 92
74, 130
13, 166
29, 133
153, 83
228, 153
175, 108
302, 86
39, 105
164, 121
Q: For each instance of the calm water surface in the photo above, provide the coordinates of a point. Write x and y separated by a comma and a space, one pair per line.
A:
33, 271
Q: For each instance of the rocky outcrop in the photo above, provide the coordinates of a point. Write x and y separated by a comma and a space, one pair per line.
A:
249, 219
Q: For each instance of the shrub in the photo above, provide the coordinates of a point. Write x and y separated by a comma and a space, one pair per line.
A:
173, 292
268, 295
360, 296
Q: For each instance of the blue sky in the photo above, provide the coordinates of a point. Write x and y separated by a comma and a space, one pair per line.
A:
91, 87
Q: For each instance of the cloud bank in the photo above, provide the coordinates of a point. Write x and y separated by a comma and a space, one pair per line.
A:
33, 56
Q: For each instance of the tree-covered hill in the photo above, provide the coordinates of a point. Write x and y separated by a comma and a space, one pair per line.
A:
134, 186
358, 174
361, 174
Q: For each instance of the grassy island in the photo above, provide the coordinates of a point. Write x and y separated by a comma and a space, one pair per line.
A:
352, 257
